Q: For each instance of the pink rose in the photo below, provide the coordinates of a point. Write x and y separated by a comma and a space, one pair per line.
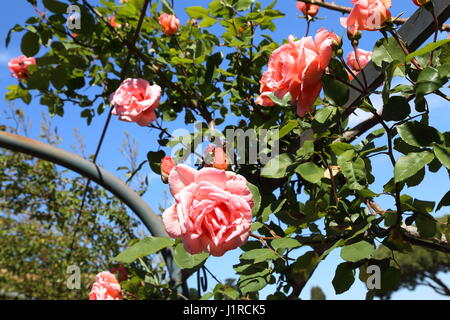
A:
113, 23
136, 101
367, 15
19, 66
363, 56
169, 23
308, 9
215, 157
106, 287
167, 165
212, 210
297, 67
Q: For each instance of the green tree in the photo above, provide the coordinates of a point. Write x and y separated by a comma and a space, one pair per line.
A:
419, 267
42, 233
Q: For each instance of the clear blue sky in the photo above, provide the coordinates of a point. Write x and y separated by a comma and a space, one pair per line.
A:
433, 187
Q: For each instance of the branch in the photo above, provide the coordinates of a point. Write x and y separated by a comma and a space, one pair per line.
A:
335, 7
412, 236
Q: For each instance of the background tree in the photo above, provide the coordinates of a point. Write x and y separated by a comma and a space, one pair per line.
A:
40, 232
420, 267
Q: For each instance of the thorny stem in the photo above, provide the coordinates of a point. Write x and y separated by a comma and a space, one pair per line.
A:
405, 50
351, 72
345, 82
308, 23
436, 31
398, 202
263, 241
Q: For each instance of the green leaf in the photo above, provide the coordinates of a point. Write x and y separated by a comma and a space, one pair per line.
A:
445, 201
55, 6
429, 80
30, 44
310, 172
443, 154
59, 77
254, 282
418, 134
285, 243
185, 260
343, 278
389, 74
387, 51
197, 12
426, 225
166, 7
154, 160
339, 148
16, 92
397, 108
207, 22
445, 53
324, 114
256, 197
288, 127
354, 172
427, 48
144, 248
357, 251
16, 28
277, 167
335, 91
408, 165
444, 70
259, 255
243, 5
283, 102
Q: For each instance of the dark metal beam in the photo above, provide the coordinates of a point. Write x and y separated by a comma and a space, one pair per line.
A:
102, 177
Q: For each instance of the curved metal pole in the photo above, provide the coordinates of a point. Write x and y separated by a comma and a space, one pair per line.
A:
102, 177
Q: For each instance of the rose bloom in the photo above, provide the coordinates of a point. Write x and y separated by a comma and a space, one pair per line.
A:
113, 23
135, 101
420, 2
106, 287
169, 23
308, 9
215, 157
367, 15
297, 67
212, 210
19, 66
167, 164
363, 57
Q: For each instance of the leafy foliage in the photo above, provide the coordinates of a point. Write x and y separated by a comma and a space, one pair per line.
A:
317, 191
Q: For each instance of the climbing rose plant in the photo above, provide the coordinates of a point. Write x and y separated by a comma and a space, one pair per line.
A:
222, 68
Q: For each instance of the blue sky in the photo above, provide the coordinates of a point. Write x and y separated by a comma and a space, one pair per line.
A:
433, 187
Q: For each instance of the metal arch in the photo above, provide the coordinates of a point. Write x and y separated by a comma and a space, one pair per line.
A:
103, 178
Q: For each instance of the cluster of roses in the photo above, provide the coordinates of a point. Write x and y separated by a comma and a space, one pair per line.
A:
298, 66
